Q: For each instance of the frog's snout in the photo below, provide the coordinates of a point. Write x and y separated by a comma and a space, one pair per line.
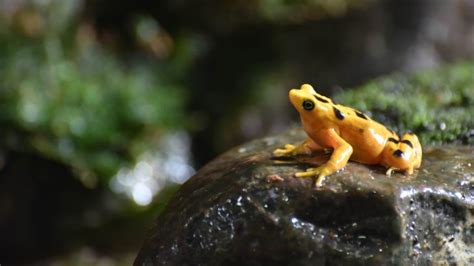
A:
292, 93
295, 96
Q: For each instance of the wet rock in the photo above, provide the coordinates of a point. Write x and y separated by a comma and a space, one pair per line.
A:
245, 207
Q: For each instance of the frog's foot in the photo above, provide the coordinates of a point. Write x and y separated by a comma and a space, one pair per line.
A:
390, 170
308, 173
288, 150
320, 172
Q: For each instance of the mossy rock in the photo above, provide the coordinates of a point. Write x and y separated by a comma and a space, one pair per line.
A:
246, 207
438, 105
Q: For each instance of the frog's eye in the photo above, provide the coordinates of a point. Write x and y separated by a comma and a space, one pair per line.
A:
308, 105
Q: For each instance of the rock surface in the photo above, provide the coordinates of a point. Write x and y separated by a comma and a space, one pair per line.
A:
245, 207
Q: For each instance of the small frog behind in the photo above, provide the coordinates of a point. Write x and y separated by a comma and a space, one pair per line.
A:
351, 134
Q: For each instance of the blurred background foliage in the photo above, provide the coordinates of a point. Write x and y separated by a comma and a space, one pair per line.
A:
107, 106
76, 102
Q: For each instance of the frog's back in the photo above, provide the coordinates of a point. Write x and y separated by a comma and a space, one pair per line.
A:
366, 136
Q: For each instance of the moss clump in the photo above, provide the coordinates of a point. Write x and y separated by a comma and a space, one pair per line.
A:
438, 104
65, 97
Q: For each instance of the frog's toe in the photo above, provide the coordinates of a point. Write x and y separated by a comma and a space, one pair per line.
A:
306, 174
390, 171
319, 180
320, 173
279, 152
288, 149
309, 173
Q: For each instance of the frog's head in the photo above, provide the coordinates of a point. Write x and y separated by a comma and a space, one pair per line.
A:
307, 101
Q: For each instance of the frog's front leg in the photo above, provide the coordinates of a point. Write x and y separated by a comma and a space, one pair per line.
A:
307, 147
341, 154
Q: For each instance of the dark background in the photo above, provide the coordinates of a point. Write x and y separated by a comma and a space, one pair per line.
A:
106, 106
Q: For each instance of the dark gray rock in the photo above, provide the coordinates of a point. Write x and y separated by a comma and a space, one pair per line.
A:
245, 207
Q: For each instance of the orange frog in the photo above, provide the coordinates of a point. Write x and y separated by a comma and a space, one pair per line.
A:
350, 134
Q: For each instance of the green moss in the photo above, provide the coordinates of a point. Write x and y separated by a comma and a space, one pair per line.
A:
438, 104
74, 102
284, 10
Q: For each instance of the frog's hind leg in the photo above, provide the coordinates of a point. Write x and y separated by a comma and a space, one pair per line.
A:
402, 154
410, 138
